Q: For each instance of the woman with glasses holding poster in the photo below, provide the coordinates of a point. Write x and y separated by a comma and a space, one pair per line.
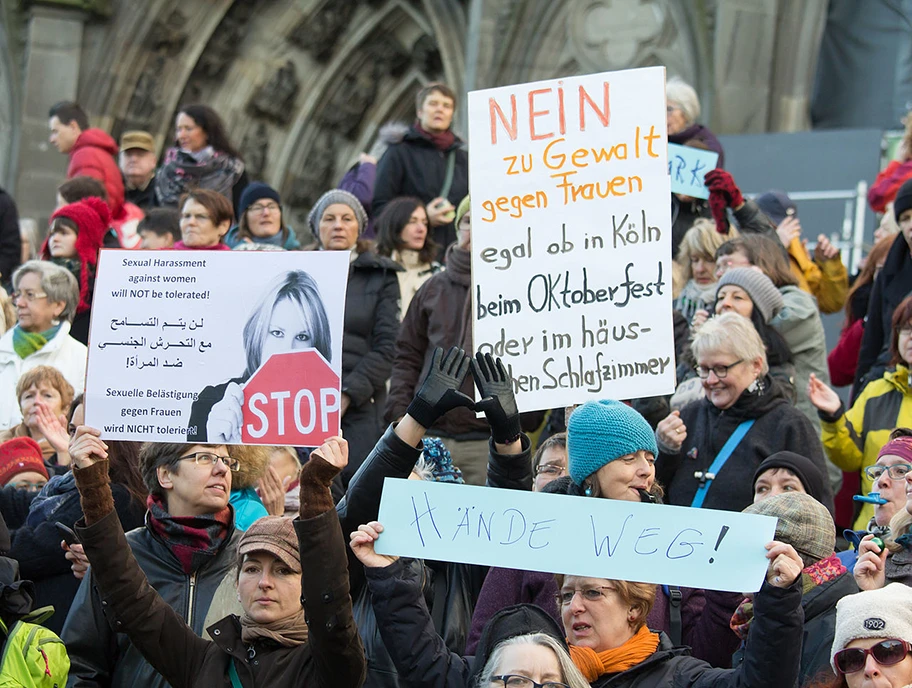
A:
711, 448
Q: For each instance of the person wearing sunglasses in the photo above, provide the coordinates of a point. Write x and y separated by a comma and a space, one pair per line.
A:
853, 438
871, 645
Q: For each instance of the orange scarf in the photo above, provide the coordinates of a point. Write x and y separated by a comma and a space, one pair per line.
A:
594, 664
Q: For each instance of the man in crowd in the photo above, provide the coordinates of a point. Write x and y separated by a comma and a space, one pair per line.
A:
428, 162
187, 550
137, 162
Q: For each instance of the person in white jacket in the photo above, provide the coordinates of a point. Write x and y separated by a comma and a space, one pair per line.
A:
45, 296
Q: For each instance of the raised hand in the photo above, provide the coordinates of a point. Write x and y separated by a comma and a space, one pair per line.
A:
223, 426
671, 431
53, 428
822, 396
439, 392
824, 250
362, 544
869, 567
720, 182
272, 492
497, 400
788, 230
334, 450
86, 447
785, 564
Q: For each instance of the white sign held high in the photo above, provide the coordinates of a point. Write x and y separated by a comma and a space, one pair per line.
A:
571, 236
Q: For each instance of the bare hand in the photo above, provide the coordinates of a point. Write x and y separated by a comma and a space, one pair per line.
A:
223, 426
700, 316
788, 229
79, 562
824, 250
671, 431
362, 544
869, 567
822, 396
54, 428
785, 564
272, 491
367, 159
440, 212
86, 447
333, 450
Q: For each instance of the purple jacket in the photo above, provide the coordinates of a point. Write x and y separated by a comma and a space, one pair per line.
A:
707, 634
359, 181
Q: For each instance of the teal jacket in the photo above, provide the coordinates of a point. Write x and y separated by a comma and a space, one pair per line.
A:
247, 507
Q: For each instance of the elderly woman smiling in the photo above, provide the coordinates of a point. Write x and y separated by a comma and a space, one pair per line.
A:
45, 296
710, 449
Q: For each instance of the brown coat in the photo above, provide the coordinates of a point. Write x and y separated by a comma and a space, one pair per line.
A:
332, 657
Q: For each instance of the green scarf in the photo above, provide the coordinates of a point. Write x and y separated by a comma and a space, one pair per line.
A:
27, 343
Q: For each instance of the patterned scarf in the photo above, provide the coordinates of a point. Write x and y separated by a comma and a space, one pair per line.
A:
287, 632
822, 572
183, 171
442, 141
594, 664
27, 343
194, 540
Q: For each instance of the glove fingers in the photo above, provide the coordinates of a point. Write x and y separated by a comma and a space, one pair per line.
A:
435, 358
449, 362
480, 366
477, 375
462, 371
502, 371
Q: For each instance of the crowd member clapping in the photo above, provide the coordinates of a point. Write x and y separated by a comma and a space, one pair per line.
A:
46, 297
853, 438
742, 402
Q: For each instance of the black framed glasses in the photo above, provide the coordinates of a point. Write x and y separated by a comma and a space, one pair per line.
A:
565, 597
897, 471
886, 653
721, 371
210, 459
518, 681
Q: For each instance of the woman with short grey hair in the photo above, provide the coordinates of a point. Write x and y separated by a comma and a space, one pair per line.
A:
682, 112
45, 296
710, 449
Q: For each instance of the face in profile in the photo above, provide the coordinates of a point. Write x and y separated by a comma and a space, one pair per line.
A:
290, 329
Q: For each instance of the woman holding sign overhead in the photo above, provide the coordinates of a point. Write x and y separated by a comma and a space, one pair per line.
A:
710, 449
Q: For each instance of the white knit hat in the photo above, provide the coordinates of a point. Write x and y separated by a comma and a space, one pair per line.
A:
883, 613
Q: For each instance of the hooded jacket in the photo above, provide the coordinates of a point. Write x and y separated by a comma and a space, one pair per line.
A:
94, 155
778, 426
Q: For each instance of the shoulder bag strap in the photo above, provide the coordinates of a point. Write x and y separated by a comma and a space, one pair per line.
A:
233, 674
450, 169
719, 461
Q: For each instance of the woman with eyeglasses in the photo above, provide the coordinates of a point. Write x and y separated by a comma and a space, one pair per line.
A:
853, 438
872, 642
711, 448
261, 224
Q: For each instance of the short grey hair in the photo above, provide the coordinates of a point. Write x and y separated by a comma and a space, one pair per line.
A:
58, 283
732, 334
683, 95
569, 673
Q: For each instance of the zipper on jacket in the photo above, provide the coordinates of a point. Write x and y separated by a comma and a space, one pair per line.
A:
190, 602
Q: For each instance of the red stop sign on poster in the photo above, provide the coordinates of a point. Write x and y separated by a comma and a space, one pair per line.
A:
292, 399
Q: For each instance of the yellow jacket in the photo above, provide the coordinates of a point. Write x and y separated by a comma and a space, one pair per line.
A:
853, 441
828, 281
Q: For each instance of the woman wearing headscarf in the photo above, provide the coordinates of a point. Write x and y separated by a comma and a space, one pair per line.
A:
371, 321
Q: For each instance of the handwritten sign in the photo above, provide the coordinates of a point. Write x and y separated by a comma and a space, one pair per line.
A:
582, 536
176, 336
687, 166
571, 236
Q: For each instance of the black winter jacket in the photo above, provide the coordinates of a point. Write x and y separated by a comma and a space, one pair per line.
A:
779, 426
369, 336
100, 656
749, 219
10, 239
414, 167
457, 585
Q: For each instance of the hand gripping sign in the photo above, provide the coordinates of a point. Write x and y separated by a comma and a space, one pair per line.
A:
293, 399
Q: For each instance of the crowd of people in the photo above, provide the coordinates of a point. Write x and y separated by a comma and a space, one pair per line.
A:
211, 562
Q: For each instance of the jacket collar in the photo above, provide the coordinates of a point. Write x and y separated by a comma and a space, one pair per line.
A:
415, 136
899, 378
6, 343
751, 404
370, 260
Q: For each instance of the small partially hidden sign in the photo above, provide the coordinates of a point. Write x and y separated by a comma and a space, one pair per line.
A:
687, 167
582, 536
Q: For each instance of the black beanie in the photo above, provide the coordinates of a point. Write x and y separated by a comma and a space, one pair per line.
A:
903, 200
812, 477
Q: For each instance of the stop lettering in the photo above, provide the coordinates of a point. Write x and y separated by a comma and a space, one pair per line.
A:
292, 399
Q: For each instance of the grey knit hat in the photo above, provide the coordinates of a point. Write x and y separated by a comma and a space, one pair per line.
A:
882, 613
332, 197
758, 286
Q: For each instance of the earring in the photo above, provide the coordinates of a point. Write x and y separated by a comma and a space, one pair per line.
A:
588, 490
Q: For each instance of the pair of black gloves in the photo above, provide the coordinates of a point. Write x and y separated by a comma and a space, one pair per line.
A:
439, 392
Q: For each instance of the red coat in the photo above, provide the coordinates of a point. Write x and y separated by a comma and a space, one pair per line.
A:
843, 359
93, 155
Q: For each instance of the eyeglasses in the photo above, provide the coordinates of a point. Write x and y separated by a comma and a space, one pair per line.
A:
210, 459
550, 469
258, 208
906, 329
721, 371
897, 471
27, 486
28, 295
885, 653
565, 597
671, 108
517, 681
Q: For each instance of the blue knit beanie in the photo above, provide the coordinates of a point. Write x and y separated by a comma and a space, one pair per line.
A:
439, 460
600, 432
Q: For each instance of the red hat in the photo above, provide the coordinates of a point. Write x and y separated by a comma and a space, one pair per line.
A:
19, 455
93, 218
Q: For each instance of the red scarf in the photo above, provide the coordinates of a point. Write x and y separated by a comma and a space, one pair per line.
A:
442, 141
194, 540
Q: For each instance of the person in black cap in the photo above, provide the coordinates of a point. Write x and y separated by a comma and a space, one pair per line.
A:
787, 471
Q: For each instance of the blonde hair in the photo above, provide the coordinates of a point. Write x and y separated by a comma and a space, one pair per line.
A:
569, 673
640, 597
733, 334
899, 525
701, 240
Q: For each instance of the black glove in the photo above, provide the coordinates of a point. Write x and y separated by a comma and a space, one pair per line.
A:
439, 392
497, 400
